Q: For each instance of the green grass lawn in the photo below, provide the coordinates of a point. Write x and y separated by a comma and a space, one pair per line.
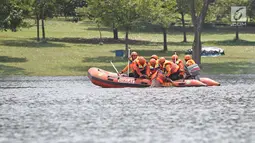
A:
72, 48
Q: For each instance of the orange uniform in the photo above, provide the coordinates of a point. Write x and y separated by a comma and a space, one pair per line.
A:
190, 62
153, 67
131, 65
179, 63
140, 67
169, 68
191, 67
133, 57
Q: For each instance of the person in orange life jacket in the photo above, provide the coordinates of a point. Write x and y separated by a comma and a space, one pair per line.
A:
154, 57
132, 58
189, 61
140, 68
153, 67
180, 64
170, 69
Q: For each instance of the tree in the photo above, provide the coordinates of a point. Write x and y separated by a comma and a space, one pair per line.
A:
183, 8
68, 7
12, 13
220, 11
159, 12
123, 14
251, 10
198, 12
95, 12
43, 9
110, 17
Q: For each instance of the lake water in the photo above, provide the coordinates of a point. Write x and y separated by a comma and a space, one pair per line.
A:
72, 109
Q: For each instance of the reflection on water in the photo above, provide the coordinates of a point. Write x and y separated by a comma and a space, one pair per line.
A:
71, 109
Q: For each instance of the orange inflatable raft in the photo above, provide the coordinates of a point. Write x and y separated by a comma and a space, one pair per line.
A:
108, 79
112, 80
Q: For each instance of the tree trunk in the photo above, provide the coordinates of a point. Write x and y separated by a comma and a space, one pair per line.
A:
126, 43
197, 46
198, 21
43, 30
237, 32
100, 33
38, 27
165, 39
115, 32
183, 28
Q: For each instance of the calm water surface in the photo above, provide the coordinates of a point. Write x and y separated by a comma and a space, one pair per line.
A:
72, 109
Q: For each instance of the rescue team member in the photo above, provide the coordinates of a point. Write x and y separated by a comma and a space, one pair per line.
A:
153, 67
140, 68
180, 64
169, 69
195, 68
189, 61
132, 58
154, 57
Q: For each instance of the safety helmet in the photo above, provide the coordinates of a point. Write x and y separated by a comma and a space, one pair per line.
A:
153, 62
187, 57
162, 60
154, 57
174, 57
141, 60
134, 54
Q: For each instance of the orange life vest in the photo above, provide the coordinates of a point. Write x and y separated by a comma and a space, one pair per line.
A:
141, 67
190, 62
154, 69
181, 65
174, 67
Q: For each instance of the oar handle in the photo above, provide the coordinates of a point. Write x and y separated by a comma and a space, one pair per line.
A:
114, 67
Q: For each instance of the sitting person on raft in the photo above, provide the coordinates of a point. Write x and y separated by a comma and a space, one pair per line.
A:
180, 64
191, 68
153, 68
169, 69
141, 68
132, 58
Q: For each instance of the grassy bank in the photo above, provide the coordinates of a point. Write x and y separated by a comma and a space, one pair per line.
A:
72, 48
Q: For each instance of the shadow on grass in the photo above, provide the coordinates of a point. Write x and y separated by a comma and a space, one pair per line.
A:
229, 68
231, 43
6, 59
11, 70
97, 41
177, 29
77, 40
30, 44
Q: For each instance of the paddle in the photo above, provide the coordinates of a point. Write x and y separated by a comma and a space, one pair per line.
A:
128, 60
115, 68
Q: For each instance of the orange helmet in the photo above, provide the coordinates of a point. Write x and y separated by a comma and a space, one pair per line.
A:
153, 62
174, 57
187, 57
162, 60
141, 60
154, 57
134, 54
